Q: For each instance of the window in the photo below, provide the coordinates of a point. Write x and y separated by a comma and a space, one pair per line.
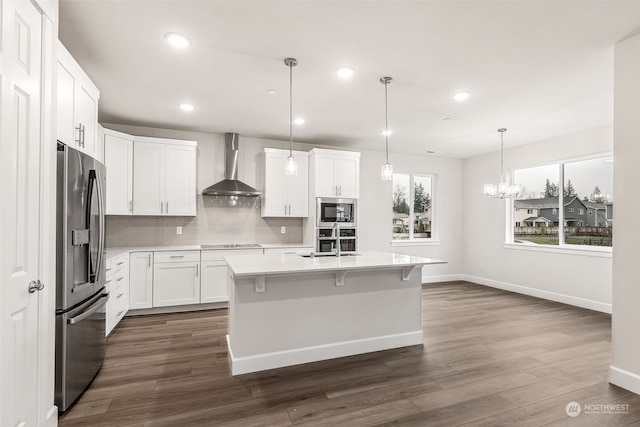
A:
560, 190
412, 207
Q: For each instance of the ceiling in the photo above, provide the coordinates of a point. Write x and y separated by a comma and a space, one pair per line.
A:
541, 69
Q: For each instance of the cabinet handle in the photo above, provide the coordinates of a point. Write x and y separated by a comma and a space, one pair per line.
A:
83, 140
79, 129
167, 206
161, 207
149, 260
121, 262
119, 279
130, 206
197, 269
176, 256
285, 209
119, 313
119, 295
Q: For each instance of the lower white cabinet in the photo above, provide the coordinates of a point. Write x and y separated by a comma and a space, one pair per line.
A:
214, 283
289, 250
176, 278
141, 280
117, 284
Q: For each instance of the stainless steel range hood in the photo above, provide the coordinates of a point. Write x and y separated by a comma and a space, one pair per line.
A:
230, 185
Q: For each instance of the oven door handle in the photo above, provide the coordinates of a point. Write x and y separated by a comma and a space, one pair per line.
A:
95, 307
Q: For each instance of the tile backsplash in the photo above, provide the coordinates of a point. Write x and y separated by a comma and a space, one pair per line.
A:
217, 222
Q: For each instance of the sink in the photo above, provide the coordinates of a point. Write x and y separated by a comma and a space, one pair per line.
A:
326, 254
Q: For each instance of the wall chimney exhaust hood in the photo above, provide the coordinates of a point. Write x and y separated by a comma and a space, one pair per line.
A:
230, 185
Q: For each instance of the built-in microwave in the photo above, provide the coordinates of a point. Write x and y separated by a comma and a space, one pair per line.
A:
336, 211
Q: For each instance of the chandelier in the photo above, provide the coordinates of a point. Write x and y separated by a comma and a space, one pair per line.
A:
503, 189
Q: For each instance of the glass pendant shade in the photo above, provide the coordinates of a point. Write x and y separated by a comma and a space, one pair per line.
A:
387, 172
503, 189
291, 166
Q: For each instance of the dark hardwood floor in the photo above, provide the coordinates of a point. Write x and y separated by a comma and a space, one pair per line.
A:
490, 358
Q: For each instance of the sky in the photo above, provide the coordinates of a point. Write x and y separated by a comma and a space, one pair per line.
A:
585, 175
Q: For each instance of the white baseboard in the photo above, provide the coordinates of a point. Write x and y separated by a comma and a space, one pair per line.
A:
625, 379
553, 296
262, 362
443, 278
52, 417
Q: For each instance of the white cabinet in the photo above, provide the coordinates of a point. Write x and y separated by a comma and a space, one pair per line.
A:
214, 283
164, 177
77, 105
117, 283
176, 278
118, 158
335, 173
140, 280
285, 195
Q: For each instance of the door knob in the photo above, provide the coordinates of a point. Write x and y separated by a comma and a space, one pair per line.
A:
35, 285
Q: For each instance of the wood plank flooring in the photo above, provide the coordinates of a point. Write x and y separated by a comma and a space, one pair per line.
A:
490, 358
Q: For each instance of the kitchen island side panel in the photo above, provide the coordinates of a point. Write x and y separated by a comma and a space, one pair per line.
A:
306, 317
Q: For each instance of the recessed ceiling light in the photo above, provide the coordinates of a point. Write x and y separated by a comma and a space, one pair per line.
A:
271, 91
299, 121
186, 107
461, 96
177, 39
386, 132
345, 72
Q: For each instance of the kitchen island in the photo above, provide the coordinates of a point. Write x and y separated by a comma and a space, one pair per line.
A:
288, 309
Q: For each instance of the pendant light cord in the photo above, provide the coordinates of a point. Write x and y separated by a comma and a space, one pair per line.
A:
291, 109
386, 118
502, 131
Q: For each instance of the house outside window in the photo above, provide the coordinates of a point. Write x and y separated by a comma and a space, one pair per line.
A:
561, 193
413, 207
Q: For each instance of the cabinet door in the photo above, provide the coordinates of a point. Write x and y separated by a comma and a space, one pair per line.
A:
65, 101
348, 177
298, 189
274, 202
118, 158
176, 283
324, 175
180, 178
140, 280
87, 116
148, 178
214, 282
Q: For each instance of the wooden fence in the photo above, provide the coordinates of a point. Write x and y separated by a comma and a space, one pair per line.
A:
568, 231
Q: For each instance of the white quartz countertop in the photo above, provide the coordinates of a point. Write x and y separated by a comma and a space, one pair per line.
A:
116, 251
253, 265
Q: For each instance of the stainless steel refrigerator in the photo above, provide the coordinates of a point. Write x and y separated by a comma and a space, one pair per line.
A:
80, 273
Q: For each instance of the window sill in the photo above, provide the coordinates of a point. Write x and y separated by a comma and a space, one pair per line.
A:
598, 252
415, 242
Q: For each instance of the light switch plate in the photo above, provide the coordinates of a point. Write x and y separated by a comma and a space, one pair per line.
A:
178, 230
283, 229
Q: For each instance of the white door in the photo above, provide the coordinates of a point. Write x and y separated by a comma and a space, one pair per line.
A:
65, 129
180, 179
176, 283
148, 178
20, 76
214, 282
324, 175
274, 203
140, 280
298, 189
348, 171
118, 158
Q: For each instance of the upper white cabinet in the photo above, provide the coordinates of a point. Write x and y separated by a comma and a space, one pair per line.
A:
164, 177
285, 195
77, 105
335, 173
118, 157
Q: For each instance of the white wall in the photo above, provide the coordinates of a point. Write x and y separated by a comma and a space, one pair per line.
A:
574, 278
625, 367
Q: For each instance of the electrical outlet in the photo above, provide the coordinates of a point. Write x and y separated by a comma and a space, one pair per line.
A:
283, 229
178, 230
481, 266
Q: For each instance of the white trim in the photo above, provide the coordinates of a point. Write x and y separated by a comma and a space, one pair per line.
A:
262, 362
600, 252
539, 293
415, 242
51, 419
444, 278
625, 379
177, 308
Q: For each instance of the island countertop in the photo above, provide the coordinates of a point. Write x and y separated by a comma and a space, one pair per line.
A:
259, 265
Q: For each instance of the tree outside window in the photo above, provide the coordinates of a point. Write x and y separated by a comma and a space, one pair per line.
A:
412, 206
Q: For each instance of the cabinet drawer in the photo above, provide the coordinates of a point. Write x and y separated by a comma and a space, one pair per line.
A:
289, 250
116, 265
176, 256
218, 255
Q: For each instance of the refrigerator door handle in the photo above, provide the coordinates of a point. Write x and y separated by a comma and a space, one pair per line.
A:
95, 307
102, 225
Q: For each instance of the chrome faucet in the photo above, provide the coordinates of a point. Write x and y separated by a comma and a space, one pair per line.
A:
335, 232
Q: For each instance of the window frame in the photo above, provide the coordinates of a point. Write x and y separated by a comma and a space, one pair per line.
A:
509, 243
418, 241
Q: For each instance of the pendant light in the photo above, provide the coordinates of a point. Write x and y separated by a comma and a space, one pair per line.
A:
291, 167
387, 168
503, 189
